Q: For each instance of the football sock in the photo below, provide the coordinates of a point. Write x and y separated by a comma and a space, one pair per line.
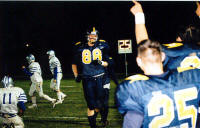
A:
92, 120
62, 94
59, 95
104, 114
47, 97
33, 99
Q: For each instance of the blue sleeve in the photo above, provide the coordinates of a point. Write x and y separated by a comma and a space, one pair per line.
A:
128, 98
27, 72
76, 57
55, 73
133, 119
21, 106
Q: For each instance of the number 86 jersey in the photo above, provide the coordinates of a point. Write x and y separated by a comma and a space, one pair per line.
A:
168, 100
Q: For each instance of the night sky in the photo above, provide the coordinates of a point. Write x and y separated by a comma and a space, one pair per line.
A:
58, 25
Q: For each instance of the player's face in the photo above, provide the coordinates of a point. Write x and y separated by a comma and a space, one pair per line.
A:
92, 38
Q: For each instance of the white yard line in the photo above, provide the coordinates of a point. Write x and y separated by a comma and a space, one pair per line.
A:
64, 117
68, 86
65, 91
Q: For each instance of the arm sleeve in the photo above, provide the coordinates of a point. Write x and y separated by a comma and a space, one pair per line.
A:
27, 72
127, 98
133, 119
76, 58
22, 97
21, 106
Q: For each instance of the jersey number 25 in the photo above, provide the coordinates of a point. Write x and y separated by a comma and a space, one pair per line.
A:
166, 103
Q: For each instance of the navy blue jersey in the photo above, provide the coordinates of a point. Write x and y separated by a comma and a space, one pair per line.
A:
176, 52
85, 56
168, 100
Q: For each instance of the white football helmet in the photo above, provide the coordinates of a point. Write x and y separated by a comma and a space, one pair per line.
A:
7, 82
30, 58
51, 53
92, 36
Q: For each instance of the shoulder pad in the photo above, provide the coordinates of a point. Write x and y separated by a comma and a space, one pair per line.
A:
102, 41
54, 58
173, 45
137, 77
36, 63
18, 89
77, 43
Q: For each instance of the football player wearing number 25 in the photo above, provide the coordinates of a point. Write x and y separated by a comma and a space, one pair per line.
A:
157, 98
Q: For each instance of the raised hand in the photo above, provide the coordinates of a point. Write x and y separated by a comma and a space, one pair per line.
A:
136, 8
198, 8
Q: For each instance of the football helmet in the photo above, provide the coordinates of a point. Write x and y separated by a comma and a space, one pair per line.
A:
30, 58
7, 82
51, 53
92, 36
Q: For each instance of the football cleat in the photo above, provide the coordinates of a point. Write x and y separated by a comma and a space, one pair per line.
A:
63, 96
57, 102
104, 123
32, 106
53, 101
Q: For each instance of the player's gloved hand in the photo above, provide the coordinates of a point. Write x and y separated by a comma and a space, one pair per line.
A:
78, 79
96, 62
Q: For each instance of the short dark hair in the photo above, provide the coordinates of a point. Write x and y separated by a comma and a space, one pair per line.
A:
189, 34
155, 48
145, 44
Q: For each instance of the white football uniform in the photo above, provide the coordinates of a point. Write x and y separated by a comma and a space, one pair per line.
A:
36, 78
55, 63
34, 68
9, 98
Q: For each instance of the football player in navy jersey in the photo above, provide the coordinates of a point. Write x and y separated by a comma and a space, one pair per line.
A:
181, 55
187, 42
157, 98
93, 58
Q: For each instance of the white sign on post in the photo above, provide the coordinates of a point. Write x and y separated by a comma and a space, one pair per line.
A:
124, 46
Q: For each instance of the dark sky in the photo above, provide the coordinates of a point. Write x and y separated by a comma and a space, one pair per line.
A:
57, 25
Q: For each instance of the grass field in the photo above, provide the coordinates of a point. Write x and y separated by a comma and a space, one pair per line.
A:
70, 114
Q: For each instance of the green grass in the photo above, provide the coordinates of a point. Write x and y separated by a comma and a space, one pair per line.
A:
72, 113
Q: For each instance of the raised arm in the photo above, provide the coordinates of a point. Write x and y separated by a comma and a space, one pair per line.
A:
198, 9
140, 29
